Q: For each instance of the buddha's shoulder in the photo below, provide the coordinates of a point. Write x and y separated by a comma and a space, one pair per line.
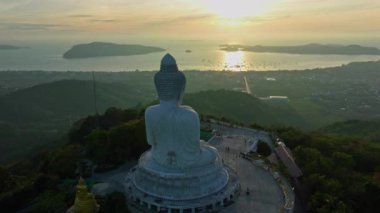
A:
187, 111
150, 111
181, 111
186, 108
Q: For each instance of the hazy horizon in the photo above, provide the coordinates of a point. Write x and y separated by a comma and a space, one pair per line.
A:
271, 22
50, 28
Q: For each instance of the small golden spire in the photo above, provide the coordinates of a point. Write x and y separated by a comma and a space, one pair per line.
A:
84, 201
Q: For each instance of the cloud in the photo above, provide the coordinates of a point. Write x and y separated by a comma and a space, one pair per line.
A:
11, 4
104, 20
80, 16
309, 7
29, 26
267, 18
180, 19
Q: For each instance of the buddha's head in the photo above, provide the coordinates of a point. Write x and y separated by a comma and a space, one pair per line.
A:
170, 82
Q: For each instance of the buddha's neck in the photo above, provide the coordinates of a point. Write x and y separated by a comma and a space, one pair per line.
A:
171, 103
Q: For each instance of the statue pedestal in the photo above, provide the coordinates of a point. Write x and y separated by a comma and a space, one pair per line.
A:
200, 189
179, 184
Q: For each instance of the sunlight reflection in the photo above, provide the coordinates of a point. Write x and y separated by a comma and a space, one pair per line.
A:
234, 61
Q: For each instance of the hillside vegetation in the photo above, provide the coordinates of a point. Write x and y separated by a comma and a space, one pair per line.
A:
369, 129
245, 108
66, 99
340, 172
37, 107
41, 113
46, 181
34, 119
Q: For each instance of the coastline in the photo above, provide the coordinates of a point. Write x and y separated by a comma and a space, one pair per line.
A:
319, 69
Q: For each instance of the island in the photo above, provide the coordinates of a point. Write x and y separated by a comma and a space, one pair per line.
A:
10, 47
318, 49
104, 49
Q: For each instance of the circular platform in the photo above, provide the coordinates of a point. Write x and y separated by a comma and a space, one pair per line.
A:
208, 188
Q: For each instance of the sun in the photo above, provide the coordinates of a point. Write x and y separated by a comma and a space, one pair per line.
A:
235, 9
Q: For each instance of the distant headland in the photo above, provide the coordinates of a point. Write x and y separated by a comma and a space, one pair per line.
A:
10, 47
104, 49
318, 49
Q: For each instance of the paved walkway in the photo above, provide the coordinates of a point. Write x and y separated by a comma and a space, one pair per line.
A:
113, 179
229, 130
265, 195
117, 175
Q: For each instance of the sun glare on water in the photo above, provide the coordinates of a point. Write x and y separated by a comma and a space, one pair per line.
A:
234, 61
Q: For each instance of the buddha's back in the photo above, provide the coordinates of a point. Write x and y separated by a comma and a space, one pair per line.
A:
173, 133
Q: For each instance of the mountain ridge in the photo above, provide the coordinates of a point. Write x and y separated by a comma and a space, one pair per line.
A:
10, 47
313, 48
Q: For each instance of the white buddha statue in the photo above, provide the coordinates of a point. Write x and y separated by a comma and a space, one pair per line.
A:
173, 130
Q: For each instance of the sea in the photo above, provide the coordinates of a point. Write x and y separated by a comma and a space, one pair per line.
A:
47, 56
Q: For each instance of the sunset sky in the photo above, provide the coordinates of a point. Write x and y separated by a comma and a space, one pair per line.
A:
228, 21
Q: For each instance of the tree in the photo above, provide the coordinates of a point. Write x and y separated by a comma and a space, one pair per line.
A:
6, 181
98, 145
343, 160
64, 162
263, 149
50, 201
308, 159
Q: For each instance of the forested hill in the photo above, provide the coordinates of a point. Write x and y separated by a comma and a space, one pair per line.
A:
67, 99
34, 119
245, 108
364, 129
34, 104
103, 49
36, 116
71, 99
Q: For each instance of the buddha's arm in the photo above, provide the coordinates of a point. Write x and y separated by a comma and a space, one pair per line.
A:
148, 128
193, 132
